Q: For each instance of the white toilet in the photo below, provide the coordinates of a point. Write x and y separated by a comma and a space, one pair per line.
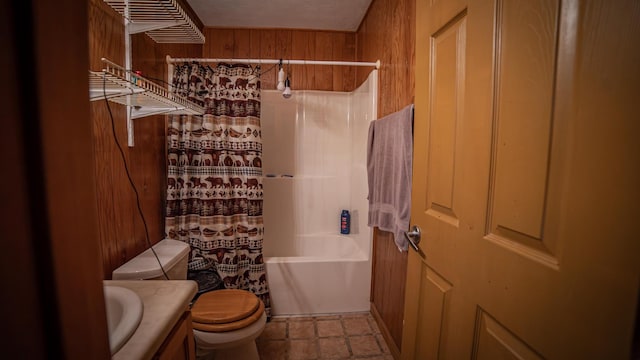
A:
225, 322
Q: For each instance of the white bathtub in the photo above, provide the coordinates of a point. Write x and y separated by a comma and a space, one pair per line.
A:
331, 274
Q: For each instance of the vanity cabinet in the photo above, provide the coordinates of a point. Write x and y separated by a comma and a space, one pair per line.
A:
166, 330
179, 344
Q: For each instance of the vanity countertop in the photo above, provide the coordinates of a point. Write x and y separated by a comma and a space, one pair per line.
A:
164, 302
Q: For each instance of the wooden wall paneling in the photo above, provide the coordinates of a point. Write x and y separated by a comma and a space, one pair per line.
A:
148, 161
387, 34
283, 44
148, 168
143, 56
242, 43
115, 208
219, 43
369, 39
116, 212
150, 179
290, 44
338, 52
254, 45
106, 35
231, 43
324, 44
107, 214
144, 166
210, 36
268, 80
344, 49
349, 73
303, 48
106, 39
405, 46
182, 50
388, 287
368, 46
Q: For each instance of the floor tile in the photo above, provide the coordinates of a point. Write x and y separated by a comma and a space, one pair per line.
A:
333, 348
357, 326
364, 345
303, 350
382, 343
275, 330
329, 328
378, 357
301, 330
373, 324
327, 317
323, 337
272, 349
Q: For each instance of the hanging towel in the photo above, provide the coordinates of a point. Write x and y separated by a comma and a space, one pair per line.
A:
389, 161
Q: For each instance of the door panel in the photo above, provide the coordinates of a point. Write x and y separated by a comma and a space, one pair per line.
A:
525, 180
525, 52
447, 98
495, 342
435, 292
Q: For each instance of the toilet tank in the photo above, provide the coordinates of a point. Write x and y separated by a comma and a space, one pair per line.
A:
173, 256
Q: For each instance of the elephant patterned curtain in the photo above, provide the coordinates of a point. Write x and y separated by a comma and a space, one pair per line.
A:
214, 185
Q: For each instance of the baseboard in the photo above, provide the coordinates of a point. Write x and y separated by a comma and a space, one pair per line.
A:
391, 344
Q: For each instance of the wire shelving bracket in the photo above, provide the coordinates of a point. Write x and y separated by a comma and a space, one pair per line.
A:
141, 96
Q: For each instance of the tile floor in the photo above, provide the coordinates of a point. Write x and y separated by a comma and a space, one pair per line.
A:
344, 336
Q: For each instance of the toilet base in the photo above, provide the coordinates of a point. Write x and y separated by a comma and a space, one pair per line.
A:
233, 345
247, 351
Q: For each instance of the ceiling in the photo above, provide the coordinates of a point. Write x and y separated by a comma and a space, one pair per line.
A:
340, 15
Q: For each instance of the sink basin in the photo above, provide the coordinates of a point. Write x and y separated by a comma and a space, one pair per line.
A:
124, 312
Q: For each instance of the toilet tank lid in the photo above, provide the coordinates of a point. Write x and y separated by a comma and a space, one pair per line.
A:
145, 265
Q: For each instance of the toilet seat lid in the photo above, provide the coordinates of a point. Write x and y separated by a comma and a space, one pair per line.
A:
224, 306
235, 325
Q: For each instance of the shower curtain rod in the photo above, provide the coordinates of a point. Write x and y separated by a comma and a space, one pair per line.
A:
376, 64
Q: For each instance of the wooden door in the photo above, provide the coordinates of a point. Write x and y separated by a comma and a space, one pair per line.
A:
526, 180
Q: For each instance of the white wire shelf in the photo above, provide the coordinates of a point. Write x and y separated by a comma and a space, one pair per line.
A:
144, 97
163, 20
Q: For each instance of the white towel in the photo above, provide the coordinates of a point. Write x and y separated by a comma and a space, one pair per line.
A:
389, 161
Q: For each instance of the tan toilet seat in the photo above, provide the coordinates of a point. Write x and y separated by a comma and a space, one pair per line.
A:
226, 310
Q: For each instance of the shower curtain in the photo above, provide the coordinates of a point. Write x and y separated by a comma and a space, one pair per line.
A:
214, 184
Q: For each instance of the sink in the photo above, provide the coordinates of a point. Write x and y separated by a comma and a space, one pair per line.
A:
124, 312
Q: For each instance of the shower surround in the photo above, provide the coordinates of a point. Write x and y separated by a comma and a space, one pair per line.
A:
314, 165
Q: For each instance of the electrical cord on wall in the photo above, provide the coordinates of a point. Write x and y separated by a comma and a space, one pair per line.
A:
126, 168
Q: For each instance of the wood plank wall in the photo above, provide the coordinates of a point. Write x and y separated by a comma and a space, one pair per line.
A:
388, 33
121, 230
289, 44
